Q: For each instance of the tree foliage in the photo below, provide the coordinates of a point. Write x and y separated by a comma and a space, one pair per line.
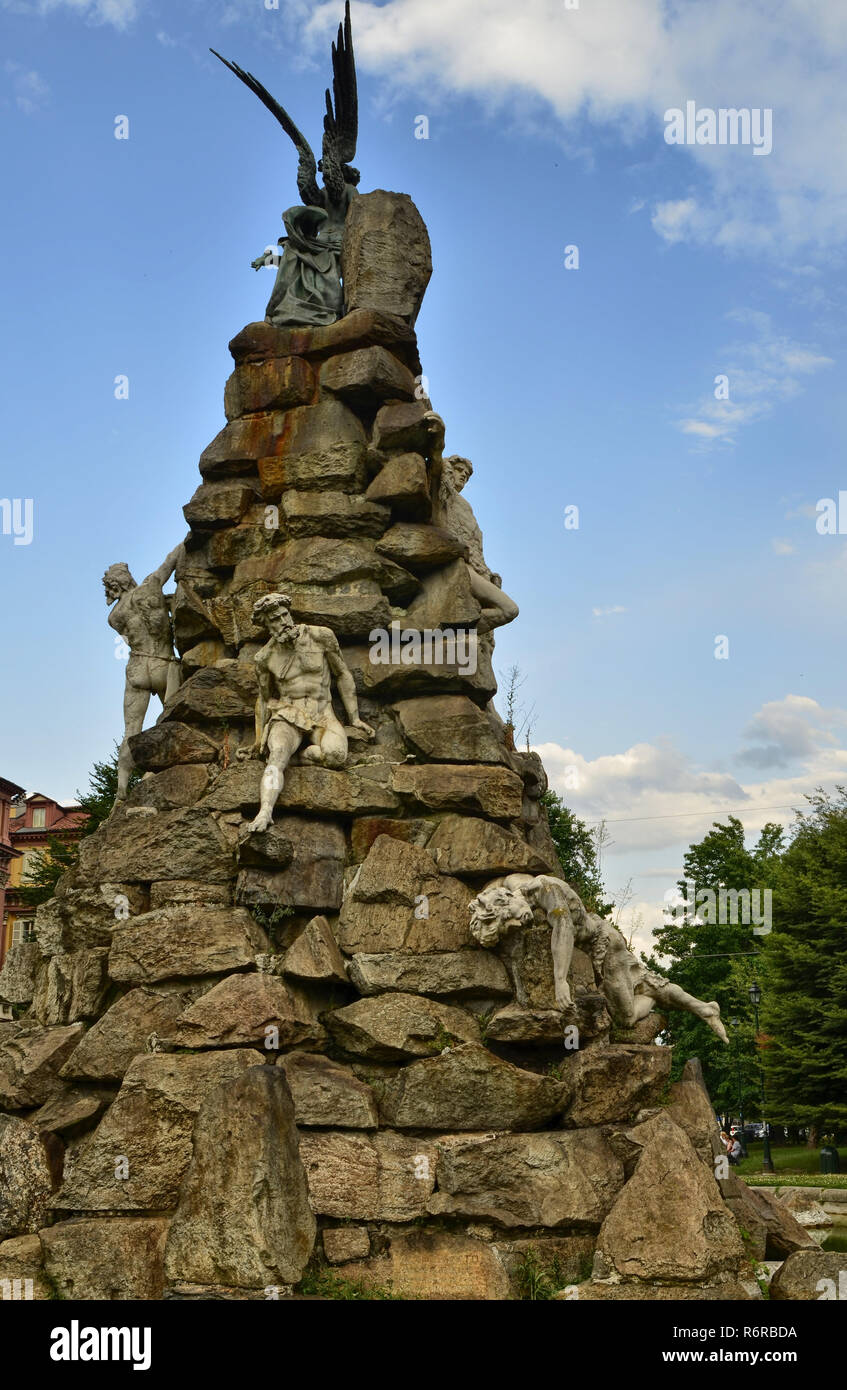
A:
577, 851
804, 1004
714, 960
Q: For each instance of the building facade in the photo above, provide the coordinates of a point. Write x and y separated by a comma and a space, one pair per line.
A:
10, 793
33, 820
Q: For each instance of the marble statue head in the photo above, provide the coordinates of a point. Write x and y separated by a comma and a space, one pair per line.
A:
460, 470
117, 580
273, 612
495, 912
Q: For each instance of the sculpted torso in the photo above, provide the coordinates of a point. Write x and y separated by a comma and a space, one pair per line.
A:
142, 618
298, 670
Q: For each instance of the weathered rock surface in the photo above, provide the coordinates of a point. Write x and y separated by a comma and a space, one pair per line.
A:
450, 728
324, 451
669, 1222
435, 1265
171, 744
77, 918
109, 1046
182, 941
529, 1027
399, 901
343, 1243
691, 1108
26, 1184
772, 1231
71, 987
21, 1262
805, 1210
809, 1275
71, 1111
314, 878
30, 1061
477, 848
327, 1094
277, 383
341, 514
403, 485
20, 972
613, 1083
386, 263
553, 1179
136, 1158
358, 328
243, 1217
379, 1177
315, 955
161, 844
394, 1027
119, 1258
459, 973
418, 546
469, 1088
487, 791
366, 378
252, 1009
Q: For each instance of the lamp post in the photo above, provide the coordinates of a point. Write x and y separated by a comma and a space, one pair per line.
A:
755, 992
742, 1138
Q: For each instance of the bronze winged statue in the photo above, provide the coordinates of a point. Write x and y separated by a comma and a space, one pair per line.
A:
308, 284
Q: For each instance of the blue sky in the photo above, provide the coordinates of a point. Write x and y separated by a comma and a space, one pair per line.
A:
591, 387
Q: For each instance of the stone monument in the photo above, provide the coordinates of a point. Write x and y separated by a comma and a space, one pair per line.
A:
270, 971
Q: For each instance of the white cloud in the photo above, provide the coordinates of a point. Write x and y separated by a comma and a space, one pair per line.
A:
119, 13
624, 63
30, 90
795, 727
607, 612
782, 547
674, 220
761, 371
654, 796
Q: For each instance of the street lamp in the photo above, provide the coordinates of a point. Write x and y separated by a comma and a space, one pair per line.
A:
742, 1138
755, 993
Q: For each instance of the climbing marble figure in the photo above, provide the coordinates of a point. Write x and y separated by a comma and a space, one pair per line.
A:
142, 616
456, 513
295, 669
629, 988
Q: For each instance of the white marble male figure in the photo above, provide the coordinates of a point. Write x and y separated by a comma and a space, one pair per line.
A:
142, 617
295, 670
629, 988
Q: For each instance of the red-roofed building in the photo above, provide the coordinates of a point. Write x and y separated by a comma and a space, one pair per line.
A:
9, 792
33, 820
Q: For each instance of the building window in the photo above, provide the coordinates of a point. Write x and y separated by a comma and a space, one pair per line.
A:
28, 863
39, 817
23, 930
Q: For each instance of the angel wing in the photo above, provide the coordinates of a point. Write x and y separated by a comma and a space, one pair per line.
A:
341, 122
307, 183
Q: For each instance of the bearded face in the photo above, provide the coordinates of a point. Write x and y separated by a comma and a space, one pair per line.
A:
495, 912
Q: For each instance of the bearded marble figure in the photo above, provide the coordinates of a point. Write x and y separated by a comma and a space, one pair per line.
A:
629, 988
295, 671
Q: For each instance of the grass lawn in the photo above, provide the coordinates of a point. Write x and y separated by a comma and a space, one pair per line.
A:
795, 1165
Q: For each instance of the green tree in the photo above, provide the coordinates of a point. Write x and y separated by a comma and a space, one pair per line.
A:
804, 981
48, 865
577, 851
712, 959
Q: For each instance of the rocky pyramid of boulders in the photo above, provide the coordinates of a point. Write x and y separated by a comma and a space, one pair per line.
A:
239, 1058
